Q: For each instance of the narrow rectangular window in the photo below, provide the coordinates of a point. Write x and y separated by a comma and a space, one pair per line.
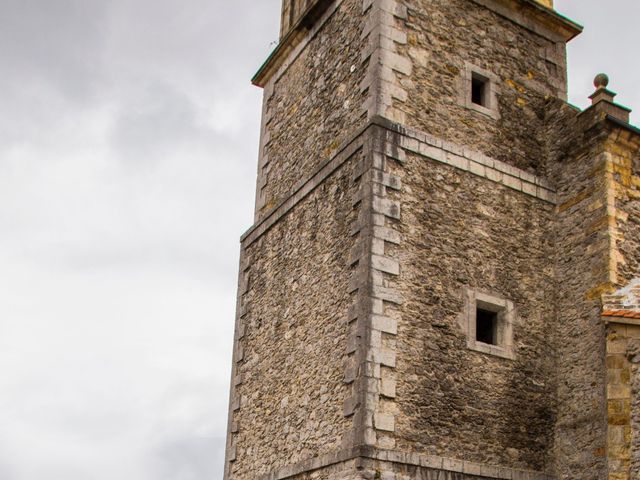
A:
488, 320
479, 90
486, 326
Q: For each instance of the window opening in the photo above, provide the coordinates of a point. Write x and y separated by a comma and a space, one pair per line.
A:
479, 90
486, 326
488, 321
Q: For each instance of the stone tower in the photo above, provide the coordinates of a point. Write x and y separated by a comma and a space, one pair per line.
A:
421, 295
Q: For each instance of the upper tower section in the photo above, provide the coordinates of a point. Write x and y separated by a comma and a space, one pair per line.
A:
476, 73
293, 11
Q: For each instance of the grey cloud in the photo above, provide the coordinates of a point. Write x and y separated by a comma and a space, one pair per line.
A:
128, 149
6, 472
190, 458
158, 121
605, 45
57, 43
128, 139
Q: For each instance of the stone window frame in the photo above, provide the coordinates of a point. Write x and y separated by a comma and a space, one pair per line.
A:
491, 94
474, 299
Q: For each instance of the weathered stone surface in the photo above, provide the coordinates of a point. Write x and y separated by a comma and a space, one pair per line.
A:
294, 348
386, 195
583, 160
313, 106
449, 34
463, 231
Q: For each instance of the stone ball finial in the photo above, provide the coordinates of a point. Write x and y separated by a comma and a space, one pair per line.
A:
601, 80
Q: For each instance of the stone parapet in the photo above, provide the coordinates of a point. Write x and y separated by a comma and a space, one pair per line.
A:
623, 396
621, 314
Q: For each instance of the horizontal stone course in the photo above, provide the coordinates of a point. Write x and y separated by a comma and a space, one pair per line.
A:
412, 140
477, 164
434, 466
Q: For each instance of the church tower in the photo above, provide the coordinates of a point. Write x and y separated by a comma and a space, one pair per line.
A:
421, 294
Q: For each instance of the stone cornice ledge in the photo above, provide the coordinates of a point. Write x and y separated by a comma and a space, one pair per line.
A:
429, 462
527, 13
305, 186
421, 144
311, 21
471, 161
530, 14
311, 464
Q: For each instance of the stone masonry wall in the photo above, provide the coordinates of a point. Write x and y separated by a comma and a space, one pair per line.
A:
622, 390
462, 230
289, 388
341, 471
622, 166
591, 162
410, 467
634, 359
624, 150
313, 105
292, 11
444, 39
578, 164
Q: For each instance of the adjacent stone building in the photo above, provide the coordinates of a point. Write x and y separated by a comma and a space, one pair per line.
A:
440, 281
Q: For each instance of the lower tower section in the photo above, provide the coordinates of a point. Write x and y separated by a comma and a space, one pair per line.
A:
292, 333
360, 350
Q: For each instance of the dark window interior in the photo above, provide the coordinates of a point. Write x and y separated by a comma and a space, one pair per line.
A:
479, 91
486, 326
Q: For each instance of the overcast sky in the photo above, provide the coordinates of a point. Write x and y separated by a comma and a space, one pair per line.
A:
128, 149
